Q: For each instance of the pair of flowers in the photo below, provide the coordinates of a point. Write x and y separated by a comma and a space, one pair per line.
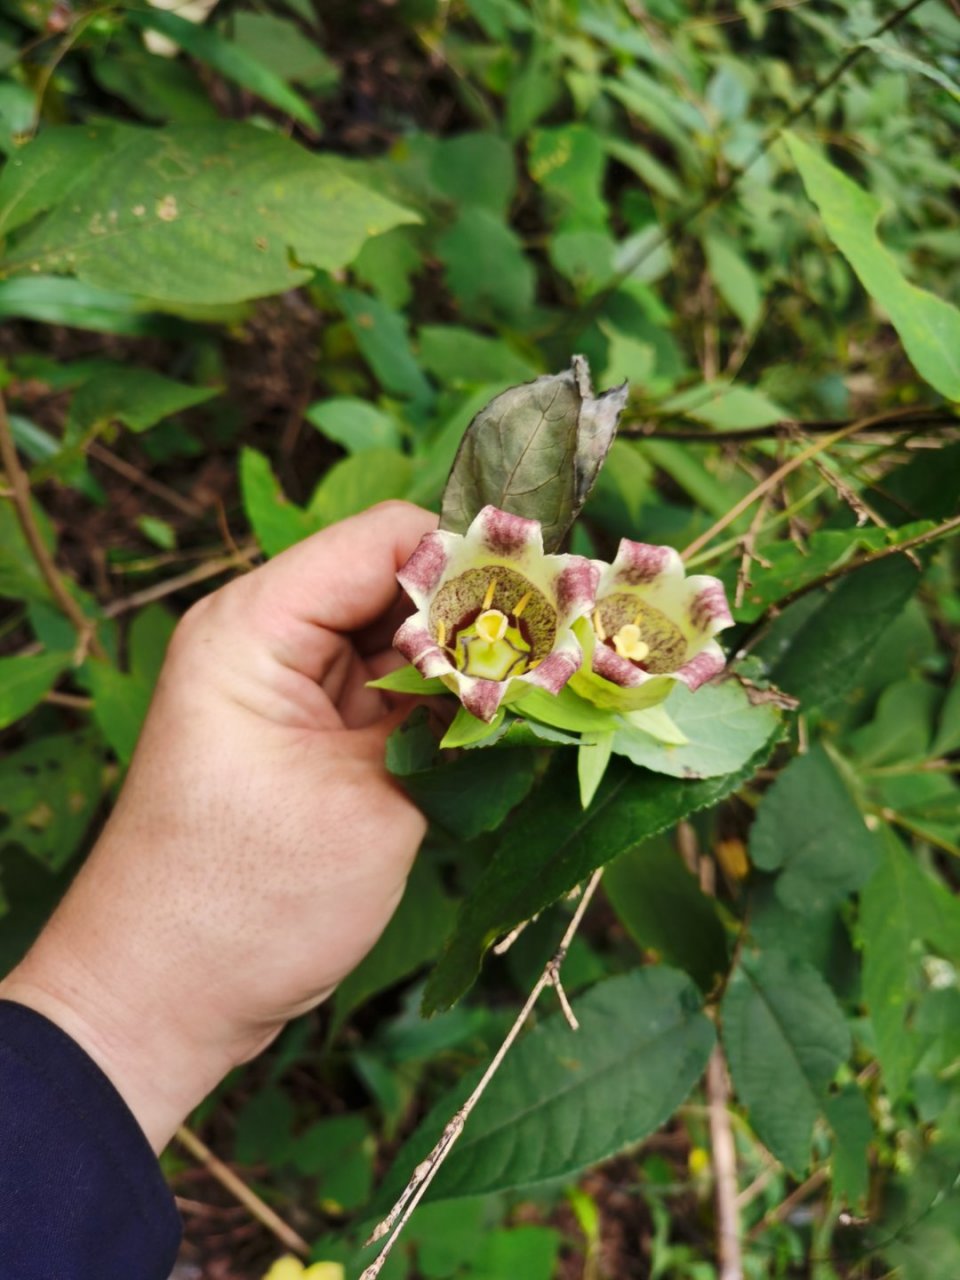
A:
496, 615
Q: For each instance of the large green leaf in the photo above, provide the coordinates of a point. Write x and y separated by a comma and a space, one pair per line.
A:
551, 845
40, 175
25, 680
564, 1100
535, 450
785, 1036
824, 657
200, 214
663, 908
809, 829
929, 327
722, 726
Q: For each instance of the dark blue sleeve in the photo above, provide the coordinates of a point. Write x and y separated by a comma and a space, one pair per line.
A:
81, 1193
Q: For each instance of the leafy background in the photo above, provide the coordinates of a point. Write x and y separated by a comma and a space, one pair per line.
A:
260, 272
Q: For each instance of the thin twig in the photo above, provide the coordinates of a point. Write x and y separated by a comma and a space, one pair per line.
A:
787, 1206
212, 569
129, 472
750, 552
724, 1154
932, 419
767, 484
905, 548
20, 497
256, 1207
427, 1170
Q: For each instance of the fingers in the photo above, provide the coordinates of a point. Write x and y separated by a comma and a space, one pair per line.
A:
344, 578
297, 607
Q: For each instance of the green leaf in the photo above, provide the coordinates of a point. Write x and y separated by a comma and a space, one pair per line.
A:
534, 450
147, 640
120, 703
277, 522
809, 829
848, 1115
788, 568
408, 680
720, 405
735, 279
722, 726
785, 1036
43, 172
661, 905
339, 1152
929, 327
199, 214
57, 300
467, 796
899, 906
894, 56
457, 356
551, 845
487, 269
901, 728
411, 939
279, 45
592, 760
354, 484
25, 681
824, 658
158, 88
948, 730
475, 169
381, 335
354, 424
49, 792
564, 1100
232, 60
137, 397
468, 731
563, 710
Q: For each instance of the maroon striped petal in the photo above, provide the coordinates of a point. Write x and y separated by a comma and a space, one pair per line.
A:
423, 571
482, 698
709, 611
575, 587
707, 664
504, 534
418, 646
640, 562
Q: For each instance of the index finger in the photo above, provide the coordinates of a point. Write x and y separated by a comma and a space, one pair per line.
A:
341, 579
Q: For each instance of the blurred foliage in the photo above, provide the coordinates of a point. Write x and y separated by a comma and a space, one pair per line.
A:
258, 270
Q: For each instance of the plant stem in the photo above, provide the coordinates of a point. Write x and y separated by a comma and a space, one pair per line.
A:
241, 1192
724, 1152
770, 482
896, 419
425, 1172
20, 497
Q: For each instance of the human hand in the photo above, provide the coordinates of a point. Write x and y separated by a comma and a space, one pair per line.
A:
258, 847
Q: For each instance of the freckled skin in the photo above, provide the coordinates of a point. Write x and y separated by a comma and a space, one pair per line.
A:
259, 846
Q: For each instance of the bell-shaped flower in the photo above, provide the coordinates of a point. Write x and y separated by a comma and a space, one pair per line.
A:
494, 613
651, 627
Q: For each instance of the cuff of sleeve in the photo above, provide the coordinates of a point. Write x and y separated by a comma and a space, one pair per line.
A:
81, 1193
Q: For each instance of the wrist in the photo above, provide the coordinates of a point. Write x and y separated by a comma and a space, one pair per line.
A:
160, 1066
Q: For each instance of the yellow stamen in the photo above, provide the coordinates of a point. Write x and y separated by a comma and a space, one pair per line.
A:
629, 643
491, 591
598, 626
521, 604
442, 634
491, 625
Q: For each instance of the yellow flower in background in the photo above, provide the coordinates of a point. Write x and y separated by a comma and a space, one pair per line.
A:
290, 1268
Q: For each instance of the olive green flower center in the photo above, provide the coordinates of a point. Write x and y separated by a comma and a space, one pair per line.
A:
640, 633
493, 622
